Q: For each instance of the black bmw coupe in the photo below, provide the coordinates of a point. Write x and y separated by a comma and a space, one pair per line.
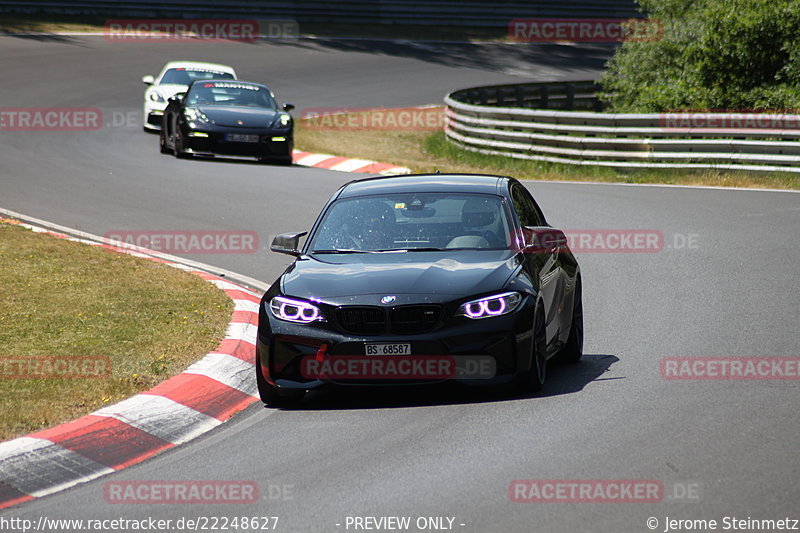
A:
421, 279
229, 118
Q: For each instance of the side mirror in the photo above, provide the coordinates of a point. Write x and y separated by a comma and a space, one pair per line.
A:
148, 80
543, 239
287, 243
288, 107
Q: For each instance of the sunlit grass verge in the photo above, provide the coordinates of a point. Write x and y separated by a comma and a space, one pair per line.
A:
71, 300
428, 151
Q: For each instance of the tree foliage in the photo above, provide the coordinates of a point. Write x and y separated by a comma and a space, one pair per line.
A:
713, 54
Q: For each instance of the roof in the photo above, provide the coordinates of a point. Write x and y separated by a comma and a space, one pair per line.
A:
188, 64
463, 183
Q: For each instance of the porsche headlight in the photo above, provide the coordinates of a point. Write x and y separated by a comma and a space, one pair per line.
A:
283, 120
294, 310
497, 305
155, 96
194, 115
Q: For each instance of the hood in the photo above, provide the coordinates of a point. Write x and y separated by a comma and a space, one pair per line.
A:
168, 90
250, 117
437, 276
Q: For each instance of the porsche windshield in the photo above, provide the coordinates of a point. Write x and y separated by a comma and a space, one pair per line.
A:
413, 222
230, 94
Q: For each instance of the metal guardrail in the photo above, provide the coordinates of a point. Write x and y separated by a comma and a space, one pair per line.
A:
538, 121
432, 12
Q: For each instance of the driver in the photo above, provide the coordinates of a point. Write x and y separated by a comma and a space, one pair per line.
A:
477, 215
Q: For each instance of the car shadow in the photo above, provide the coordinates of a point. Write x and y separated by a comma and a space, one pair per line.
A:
241, 161
562, 379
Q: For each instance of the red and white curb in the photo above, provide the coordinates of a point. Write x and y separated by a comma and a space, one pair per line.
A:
120, 435
345, 164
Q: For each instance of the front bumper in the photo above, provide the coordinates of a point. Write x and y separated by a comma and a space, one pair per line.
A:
283, 348
153, 113
277, 144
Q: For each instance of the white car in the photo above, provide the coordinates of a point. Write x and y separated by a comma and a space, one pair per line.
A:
175, 78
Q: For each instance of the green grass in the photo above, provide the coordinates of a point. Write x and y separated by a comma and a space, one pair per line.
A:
71, 300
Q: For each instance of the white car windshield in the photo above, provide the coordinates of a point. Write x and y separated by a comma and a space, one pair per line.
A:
186, 75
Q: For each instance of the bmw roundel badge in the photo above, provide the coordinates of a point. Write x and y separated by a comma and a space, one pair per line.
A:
388, 299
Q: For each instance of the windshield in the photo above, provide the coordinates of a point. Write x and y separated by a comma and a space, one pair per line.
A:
185, 76
230, 94
408, 222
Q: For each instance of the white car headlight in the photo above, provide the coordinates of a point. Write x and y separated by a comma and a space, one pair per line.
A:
497, 305
155, 96
294, 310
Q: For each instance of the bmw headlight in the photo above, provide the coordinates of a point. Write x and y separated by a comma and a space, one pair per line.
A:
499, 304
294, 310
155, 96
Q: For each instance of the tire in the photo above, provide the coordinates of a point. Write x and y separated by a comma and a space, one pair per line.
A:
532, 380
177, 146
162, 142
271, 396
572, 351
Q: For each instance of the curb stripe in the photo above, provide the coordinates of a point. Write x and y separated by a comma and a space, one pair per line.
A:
160, 416
345, 164
204, 395
10, 496
123, 444
117, 436
40, 467
228, 370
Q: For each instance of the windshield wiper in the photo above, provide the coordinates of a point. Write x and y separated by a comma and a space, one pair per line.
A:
343, 251
427, 249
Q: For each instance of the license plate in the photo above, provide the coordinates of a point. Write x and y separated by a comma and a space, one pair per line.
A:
387, 349
241, 138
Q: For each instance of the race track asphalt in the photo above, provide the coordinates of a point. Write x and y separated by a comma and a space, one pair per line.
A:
724, 284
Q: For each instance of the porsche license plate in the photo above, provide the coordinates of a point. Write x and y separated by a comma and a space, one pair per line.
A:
241, 138
387, 349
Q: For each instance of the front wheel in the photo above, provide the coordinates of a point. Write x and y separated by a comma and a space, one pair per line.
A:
177, 145
532, 380
572, 351
162, 142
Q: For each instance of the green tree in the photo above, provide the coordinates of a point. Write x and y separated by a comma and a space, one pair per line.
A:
714, 54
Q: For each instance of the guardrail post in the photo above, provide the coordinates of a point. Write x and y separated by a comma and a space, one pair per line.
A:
570, 102
544, 93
